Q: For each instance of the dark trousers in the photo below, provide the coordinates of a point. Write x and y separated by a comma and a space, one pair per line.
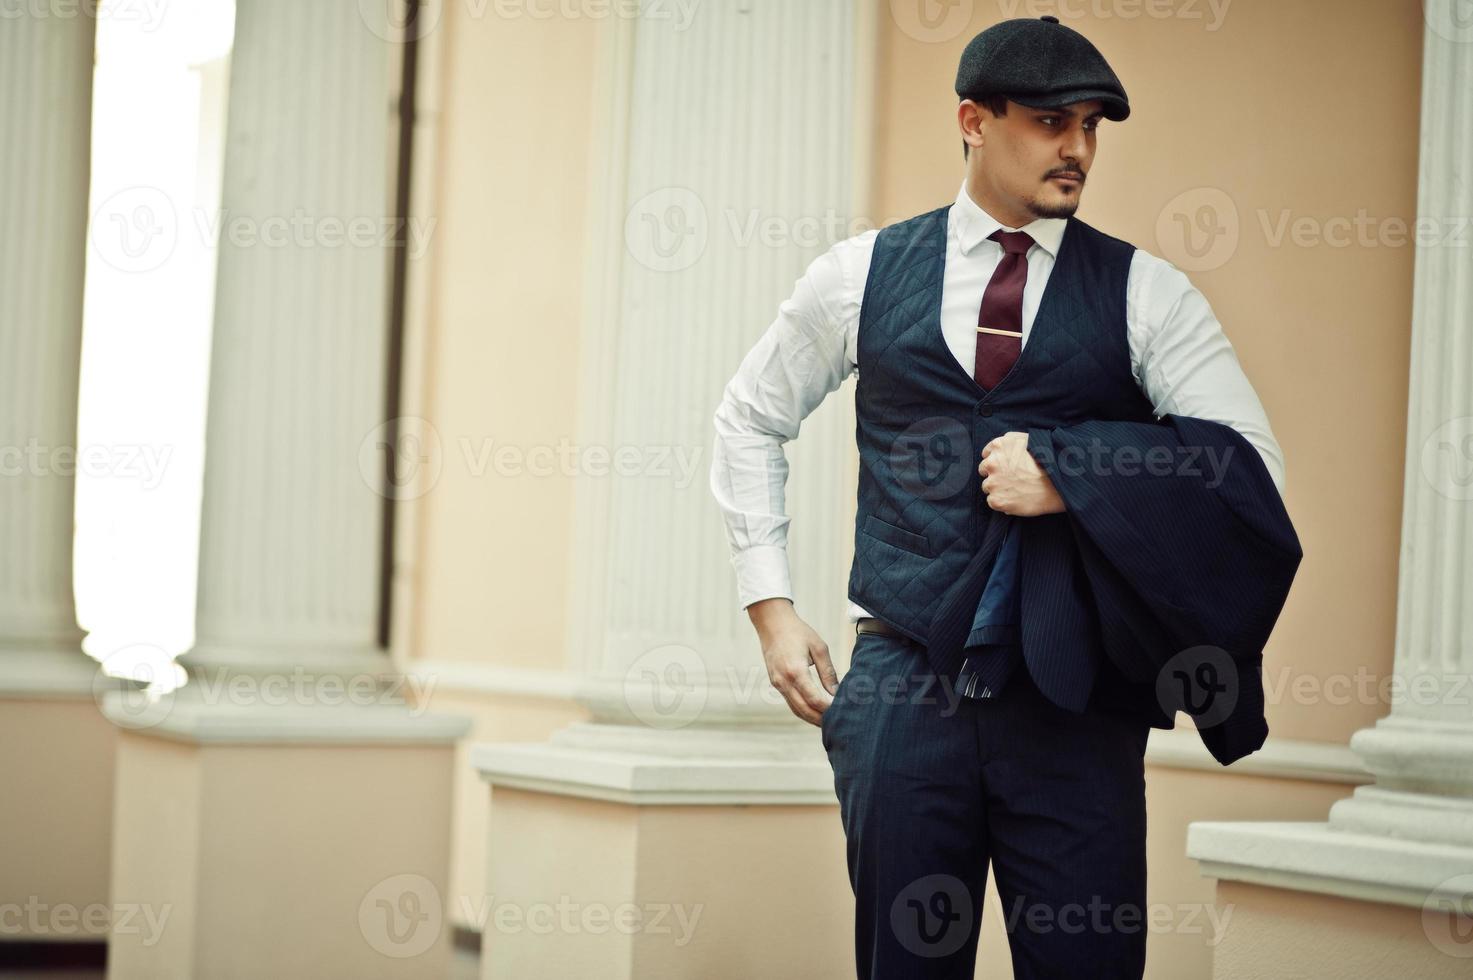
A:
933, 786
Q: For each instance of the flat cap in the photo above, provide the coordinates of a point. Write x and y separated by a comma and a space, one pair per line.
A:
1041, 64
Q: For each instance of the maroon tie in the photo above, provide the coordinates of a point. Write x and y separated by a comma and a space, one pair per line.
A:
1002, 310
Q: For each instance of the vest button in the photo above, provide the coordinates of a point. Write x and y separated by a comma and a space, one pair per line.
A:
984, 410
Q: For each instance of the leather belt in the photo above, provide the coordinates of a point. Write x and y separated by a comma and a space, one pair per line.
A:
869, 624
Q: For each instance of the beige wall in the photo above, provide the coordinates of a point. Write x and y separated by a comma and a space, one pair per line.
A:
56, 810
504, 315
1185, 933
1279, 933
220, 846
506, 110
494, 718
700, 904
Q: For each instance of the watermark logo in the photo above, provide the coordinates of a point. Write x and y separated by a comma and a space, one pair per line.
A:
401, 916
1362, 230
1211, 13
667, 229
1447, 917
1198, 230
159, 682
144, 463
401, 458
35, 919
395, 20
146, 702
933, 916
933, 458
148, 14
1447, 458
405, 458
401, 21
665, 687
568, 917
1200, 680
1100, 917
136, 229
931, 21
1451, 20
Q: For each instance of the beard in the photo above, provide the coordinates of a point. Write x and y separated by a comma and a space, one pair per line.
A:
1041, 208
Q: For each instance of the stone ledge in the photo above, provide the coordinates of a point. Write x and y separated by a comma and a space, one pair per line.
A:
1315, 857
643, 779
187, 719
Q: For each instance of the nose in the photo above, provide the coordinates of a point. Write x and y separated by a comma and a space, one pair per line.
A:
1075, 149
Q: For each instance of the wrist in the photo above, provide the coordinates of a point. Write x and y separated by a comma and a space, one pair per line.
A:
769, 614
1056, 503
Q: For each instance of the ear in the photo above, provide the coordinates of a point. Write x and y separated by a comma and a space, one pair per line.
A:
972, 121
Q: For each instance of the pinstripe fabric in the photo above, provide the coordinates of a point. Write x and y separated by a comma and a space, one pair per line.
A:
992, 648
933, 789
1195, 553
953, 620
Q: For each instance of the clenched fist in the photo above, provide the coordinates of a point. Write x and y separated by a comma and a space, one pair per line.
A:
1013, 481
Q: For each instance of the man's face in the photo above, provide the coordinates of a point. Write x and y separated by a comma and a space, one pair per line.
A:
1036, 161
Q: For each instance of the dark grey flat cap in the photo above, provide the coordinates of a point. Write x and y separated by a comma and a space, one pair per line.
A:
1041, 64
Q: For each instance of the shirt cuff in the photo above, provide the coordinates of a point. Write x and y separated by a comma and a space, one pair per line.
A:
762, 573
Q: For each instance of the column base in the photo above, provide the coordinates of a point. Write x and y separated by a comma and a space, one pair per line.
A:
698, 767
263, 840
1321, 858
46, 671
1425, 817
611, 863
213, 658
1400, 862
1418, 755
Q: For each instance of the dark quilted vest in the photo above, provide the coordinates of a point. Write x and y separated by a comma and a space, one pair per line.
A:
922, 421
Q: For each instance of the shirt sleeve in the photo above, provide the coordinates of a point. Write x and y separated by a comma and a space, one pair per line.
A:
806, 352
1184, 362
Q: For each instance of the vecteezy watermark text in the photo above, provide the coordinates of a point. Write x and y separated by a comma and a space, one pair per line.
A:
142, 462
35, 919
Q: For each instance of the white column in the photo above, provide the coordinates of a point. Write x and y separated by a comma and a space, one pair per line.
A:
287, 654
1422, 752
292, 511
737, 168
1408, 837
45, 129
294, 489
732, 163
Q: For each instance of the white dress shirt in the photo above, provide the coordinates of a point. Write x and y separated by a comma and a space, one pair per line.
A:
1178, 354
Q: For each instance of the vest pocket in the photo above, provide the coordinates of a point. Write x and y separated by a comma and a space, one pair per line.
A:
897, 537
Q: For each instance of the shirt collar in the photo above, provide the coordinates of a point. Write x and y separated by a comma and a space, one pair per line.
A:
973, 225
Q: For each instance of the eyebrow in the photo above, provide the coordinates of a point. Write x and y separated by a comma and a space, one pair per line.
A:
1066, 111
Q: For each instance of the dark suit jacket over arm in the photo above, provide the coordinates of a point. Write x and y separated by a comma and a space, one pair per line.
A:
1189, 554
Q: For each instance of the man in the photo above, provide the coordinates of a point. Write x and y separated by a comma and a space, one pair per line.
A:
969, 326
